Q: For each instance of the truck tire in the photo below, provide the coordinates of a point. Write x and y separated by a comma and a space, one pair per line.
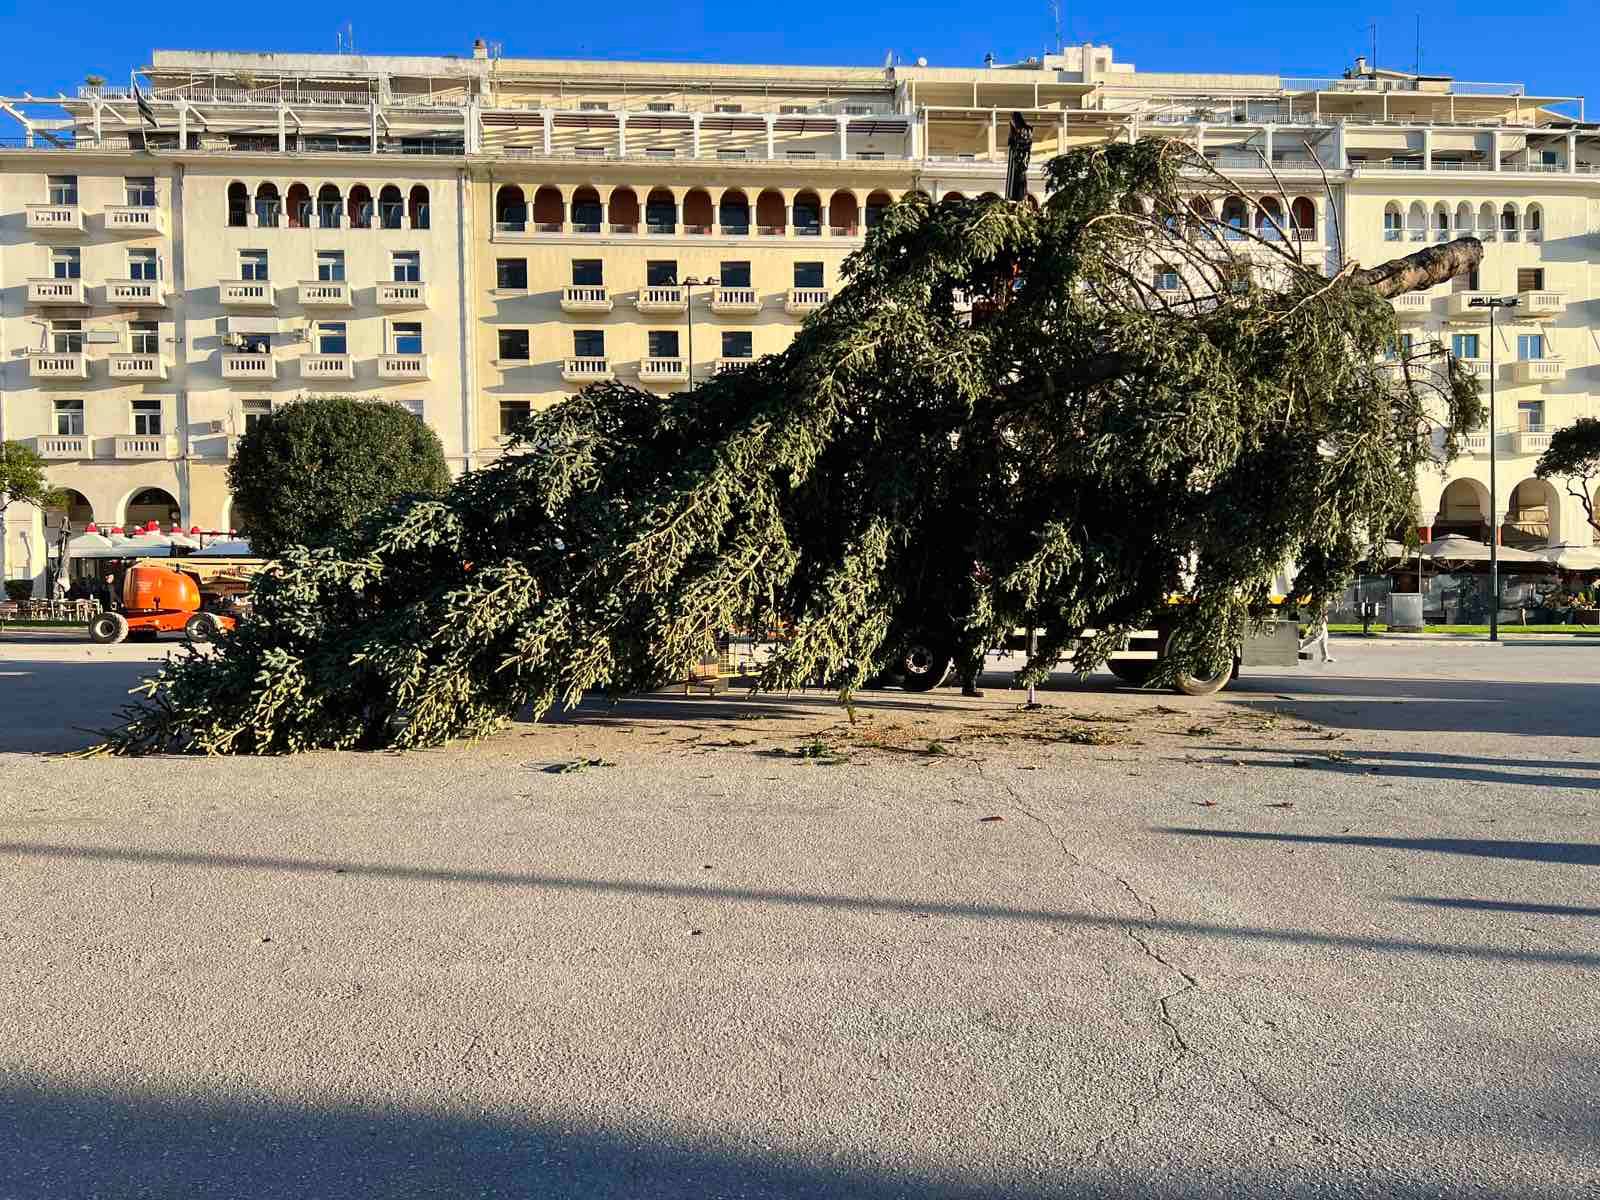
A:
1134, 671
1190, 685
108, 629
923, 664
202, 627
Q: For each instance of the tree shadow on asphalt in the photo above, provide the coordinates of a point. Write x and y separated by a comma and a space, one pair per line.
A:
1574, 854
1583, 856
1502, 906
1412, 765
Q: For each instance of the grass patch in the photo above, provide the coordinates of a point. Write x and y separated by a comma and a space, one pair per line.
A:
1569, 630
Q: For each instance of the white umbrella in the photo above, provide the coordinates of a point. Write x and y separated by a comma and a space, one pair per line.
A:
1571, 556
225, 548
1455, 548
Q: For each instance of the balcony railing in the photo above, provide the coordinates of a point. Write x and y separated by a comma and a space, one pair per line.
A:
1538, 370
1461, 309
145, 447
58, 366
324, 293
1478, 368
725, 365
402, 366
247, 293
55, 291
661, 300
1412, 306
137, 293
64, 446
249, 365
663, 370
585, 370
137, 366
134, 218
55, 218
585, 299
1542, 304
327, 366
1530, 441
402, 295
805, 300
735, 300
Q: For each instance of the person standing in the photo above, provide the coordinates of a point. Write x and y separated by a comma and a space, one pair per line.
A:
1316, 639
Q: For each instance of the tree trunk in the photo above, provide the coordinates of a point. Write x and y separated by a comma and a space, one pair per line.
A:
1423, 269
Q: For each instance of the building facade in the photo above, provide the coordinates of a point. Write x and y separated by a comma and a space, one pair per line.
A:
476, 238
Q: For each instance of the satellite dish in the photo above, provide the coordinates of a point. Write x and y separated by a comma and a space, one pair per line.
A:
921, 62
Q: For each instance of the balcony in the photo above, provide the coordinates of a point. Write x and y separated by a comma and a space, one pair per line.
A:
725, 365
145, 447
661, 300
55, 218
43, 365
1541, 304
247, 293
1475, 444
663, 370
735, 300
805, 300
130, 218
1413, 306
56, 291
1530, 441
1461, 309
585, 299
402, 295
249, 366
1478, 368
585, 370
57, 448
327, 366
137, 366
136, 293
323, 293
402, 366
1538, 370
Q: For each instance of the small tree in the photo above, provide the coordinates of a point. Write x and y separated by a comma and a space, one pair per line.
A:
1573, 456
22, 478
310, 472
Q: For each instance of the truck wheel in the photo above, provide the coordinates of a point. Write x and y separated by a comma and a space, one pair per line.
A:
924, 665
1135, 671
1190, 685
108, 629
202, 627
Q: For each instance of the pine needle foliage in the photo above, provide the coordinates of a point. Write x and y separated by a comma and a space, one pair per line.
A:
998, 421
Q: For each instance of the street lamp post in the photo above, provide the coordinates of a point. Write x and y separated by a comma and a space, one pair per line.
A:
689, 285
1493, 303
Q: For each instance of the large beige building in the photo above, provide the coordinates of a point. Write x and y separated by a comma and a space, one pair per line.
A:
477, 237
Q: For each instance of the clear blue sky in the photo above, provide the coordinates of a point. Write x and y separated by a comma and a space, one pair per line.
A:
1552, 46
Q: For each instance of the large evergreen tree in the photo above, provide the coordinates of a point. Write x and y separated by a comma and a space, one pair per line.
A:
999, 420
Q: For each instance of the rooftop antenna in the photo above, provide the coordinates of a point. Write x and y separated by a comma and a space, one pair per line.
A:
1374, 48
1055, 11
346, 38
1417, 70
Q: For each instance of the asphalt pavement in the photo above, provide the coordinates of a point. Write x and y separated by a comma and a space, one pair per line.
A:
1330, 934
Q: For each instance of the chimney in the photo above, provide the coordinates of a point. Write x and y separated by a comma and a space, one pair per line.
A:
479, 50
1361, 65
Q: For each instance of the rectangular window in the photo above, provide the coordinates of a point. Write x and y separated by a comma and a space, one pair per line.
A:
144, 337
808, 274
414, 407
1166, 279
588, 343
790, 109
1399, 347
63, 189
254, 412
661, 273
1530, 415
514, 415
869, 155
663, 343
407, 266
330, 266
66, 263
331, 338
511, 274
66, 337
140, 191
253, 265
1464, 345
1549, 158
514, 345
1530, 279
255, 343
736, 345
69, 418
735, 275
587, 272
729, 108
1530, 346
800, 154
660, 152
142, 264
594, 105
146, 418
660, 106
730, 155
405, 337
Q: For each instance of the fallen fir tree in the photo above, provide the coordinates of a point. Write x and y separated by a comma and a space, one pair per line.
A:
999, 421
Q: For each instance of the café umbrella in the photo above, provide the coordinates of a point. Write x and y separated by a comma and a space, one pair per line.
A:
1571, 556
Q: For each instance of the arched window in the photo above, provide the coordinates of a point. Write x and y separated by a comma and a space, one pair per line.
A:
297, 206
587, 215
660, 212
361, 208
844, 214
391, 208
770, 216
329, 206
1509, 228
1303, 212
733, 213
1463, 219
268, 207
510, 209
152, 504
419, 206
808, 214
1393, 222
623, 210
238, 205
1269, 219
1235, 218
1534, 228
549, 210
1417, 222
1488, 223
877, 204
1441, 223
697, 215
